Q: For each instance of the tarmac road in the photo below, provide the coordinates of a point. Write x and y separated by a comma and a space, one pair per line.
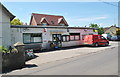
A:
100, 63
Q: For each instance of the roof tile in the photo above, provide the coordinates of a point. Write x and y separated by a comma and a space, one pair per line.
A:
49, 18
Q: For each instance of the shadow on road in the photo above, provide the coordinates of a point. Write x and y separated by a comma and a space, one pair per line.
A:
30, 65
26, 66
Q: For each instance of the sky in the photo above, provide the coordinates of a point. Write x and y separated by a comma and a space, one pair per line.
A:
76, 13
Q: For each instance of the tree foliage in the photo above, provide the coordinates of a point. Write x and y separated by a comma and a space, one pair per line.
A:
96, 26
3, 49
16, 22
118, 32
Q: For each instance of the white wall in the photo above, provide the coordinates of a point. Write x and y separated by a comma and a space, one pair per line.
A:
17, 35
6, 34
0, 25
78, 42
5, 38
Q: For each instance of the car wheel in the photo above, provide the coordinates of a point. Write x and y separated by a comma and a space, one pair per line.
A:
96, 44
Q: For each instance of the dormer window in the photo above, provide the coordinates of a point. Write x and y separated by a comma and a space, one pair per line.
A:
62, 24
44, 24
44, 21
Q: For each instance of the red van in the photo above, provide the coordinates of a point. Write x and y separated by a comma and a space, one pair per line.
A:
95, 40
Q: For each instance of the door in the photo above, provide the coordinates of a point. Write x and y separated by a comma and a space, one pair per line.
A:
102, 40
57, 40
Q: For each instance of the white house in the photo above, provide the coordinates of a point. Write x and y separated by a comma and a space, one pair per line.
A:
5, 31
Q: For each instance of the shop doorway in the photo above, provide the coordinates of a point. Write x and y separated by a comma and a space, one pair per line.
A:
57, 40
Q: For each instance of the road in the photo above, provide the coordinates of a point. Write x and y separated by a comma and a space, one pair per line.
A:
104, 62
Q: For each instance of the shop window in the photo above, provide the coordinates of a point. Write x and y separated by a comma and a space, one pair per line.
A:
36, 38
74, 36
83, 36
65, 38
77, 37
32, 38
57, 36
26, 38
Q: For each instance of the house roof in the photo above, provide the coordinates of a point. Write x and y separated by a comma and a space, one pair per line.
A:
106, 28
7, 12
51, 19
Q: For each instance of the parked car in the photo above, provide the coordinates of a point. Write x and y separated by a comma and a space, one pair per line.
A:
114, 38
95, 40
118, 37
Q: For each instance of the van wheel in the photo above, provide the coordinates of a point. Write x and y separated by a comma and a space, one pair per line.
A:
96, 44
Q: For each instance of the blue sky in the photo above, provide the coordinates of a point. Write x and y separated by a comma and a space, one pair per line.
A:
76, 13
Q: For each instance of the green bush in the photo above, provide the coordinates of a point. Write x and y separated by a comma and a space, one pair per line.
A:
3, 49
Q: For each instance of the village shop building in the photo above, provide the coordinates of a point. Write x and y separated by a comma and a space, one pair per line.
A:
44, 29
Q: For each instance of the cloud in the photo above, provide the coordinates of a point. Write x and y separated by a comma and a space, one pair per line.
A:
92, 18
87, 20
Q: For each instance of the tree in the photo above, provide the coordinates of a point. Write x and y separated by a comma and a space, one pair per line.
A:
118, 31
16, 22
94, 26
99, 29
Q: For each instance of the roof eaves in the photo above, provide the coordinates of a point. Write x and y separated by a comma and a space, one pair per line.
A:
7, 12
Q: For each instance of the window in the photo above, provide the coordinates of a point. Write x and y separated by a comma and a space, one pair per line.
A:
62, 24
36, 38
65, 38
77, 37
74, 36
26, 38
32, 37
83, 36
44, 24
56, 37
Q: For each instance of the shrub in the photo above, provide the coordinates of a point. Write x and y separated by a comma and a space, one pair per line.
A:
3, 49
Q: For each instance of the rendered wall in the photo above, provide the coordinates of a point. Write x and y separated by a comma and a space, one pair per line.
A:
47, 36
0, 25
0, 38
6, 34
78, 42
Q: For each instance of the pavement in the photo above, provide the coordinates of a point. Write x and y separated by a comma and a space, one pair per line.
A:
51, 56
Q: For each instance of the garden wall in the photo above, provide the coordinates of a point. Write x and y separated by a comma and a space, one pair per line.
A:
13, 60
